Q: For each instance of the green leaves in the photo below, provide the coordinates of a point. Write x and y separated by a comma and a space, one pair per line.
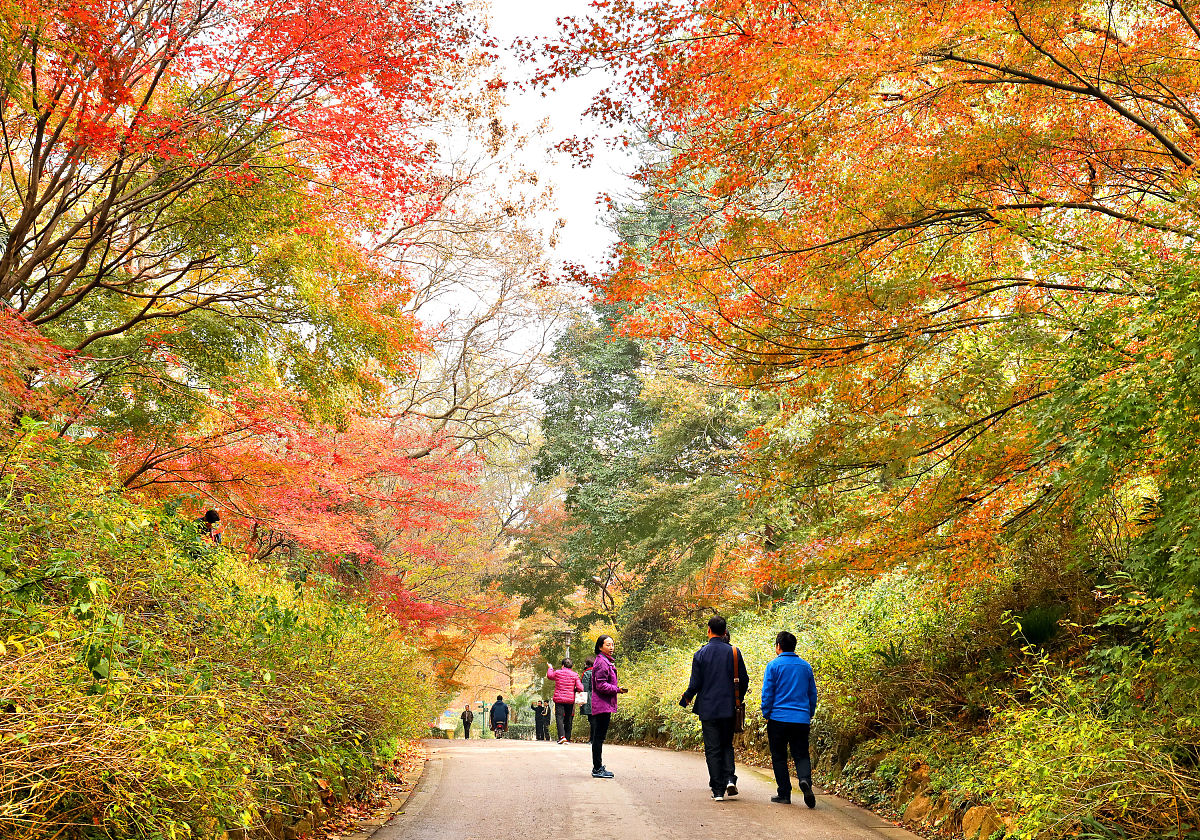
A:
163, 682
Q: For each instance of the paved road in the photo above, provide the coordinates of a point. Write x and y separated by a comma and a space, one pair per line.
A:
505, 790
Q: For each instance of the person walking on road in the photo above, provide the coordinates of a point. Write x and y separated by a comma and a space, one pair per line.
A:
718, 683
605, 689
789, 698
498, 717
541, 721
467, 716
566, 683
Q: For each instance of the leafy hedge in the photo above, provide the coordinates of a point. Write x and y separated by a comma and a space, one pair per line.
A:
155, 686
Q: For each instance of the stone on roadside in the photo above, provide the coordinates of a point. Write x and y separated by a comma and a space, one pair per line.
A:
981, 822
918, 809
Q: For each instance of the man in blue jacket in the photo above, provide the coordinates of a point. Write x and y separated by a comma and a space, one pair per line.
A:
789, 698
719, 680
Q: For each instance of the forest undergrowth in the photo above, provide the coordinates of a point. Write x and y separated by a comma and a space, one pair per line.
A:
1000, 693
154, 685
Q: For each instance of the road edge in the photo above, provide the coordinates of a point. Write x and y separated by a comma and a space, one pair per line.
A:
864, 817
395, 804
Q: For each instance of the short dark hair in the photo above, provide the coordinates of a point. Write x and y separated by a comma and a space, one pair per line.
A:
786, 641
499, 698
717, 624
589, 661
212, 516
566, 663
600, 641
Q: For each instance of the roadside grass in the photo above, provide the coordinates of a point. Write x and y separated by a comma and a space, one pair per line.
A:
153, 685
992, 688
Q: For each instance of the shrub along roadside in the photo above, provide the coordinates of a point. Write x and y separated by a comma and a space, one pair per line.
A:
155, 686
952, 699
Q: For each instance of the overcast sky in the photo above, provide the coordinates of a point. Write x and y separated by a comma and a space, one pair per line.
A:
586, 237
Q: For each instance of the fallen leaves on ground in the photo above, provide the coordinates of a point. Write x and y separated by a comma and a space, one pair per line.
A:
373, 804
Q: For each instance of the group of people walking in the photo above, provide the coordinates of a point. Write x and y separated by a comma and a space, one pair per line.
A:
718, 683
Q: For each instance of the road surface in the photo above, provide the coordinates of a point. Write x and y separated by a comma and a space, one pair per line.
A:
538, 790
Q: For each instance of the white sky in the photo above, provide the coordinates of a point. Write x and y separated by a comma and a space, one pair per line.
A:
586, 237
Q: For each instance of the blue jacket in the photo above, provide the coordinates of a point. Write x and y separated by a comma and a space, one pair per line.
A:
498, 713
789, 690
712, 680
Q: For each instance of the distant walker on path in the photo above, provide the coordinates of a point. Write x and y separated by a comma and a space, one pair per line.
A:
541, 720
789, 698
712, 684
566, 684
467, 716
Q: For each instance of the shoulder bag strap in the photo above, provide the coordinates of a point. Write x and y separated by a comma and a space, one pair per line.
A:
737, 680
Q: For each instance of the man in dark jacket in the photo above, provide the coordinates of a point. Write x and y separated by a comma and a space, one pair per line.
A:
467, 716
719, 686
541, 721
498, 716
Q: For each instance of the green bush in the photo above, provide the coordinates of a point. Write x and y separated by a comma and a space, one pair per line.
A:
155, 686
880, 651
1057, 762
988, 688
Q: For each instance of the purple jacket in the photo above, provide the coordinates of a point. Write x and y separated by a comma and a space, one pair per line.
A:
566, 683
604, 685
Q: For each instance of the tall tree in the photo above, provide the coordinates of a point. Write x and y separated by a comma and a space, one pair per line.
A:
649, 508
906, 218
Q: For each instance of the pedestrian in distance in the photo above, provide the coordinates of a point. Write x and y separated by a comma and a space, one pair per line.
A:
467, 716
789, 698
605, 689
566, 683
540, 721
718, 683
545, 712
498, 717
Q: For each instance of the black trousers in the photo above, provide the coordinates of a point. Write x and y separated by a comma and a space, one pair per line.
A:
564, 716
466, 729
782, 737
599, 733
718, 752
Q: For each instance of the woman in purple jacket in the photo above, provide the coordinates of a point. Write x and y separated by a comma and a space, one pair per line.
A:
603, 701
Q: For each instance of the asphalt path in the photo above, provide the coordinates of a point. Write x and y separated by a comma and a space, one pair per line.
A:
505, 790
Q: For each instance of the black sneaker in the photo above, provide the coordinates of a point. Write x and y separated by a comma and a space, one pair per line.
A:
717, 797
601, 773
731, 789
809, 799
782, 800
